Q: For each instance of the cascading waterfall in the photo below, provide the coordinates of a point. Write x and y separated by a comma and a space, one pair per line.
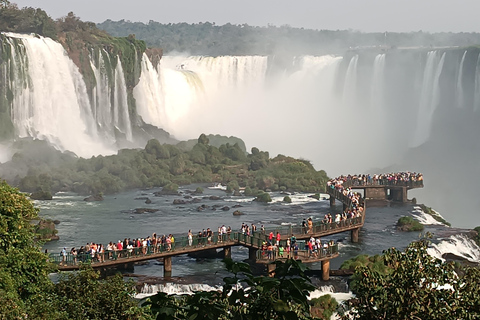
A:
50, 98
350, 85
150, 96
429, 97
121, 116
459, 89
476, 98
378, 84
460, 245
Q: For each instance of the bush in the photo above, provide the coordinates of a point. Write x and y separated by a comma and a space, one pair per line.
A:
323, 307
263, 197
409, 224
287, 199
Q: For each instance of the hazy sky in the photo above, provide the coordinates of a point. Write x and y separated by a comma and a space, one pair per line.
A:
363, 15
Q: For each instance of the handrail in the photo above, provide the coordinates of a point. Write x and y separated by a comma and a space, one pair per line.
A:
383, 182
306, 254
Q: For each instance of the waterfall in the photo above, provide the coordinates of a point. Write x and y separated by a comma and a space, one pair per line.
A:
350, 86
378, 83
183, 92
460, 245
50, 98
150, 96
121, 116
459, 88
476, 97
429, 97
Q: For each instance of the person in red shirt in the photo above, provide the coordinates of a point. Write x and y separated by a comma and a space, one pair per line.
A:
270, 236
278, 238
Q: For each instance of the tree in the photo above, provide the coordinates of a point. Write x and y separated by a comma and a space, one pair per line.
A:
203, 139
244, 296
417, 286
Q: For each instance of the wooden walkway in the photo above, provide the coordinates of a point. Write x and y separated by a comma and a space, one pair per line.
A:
254, 243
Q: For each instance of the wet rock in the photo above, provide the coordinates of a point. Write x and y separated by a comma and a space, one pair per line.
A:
214, 198
97, 197
148, 201
144, 210
238, 213
225, 208
179, 201
41, 195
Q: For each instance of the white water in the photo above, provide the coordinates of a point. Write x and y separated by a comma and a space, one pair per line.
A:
459, 90
174, 289
459, 245
429, 98
350, 85
52, 104
425, 218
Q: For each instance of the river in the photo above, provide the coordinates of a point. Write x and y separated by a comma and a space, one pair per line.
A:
114, 218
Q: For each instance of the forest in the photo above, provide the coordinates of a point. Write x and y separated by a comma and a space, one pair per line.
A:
207, 38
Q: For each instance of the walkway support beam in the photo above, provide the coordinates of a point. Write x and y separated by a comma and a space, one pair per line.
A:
227, 252
167, 266
354, 234
252, 254
325, 270
271, 269
332, 201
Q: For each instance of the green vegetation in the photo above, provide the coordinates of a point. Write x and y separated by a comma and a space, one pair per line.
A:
434, 214
409, 224
26, 291
287, 199
323, 307
207, 38
244, 296
38, 167
416, 286
263, 197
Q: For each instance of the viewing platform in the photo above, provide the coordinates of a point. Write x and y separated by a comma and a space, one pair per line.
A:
395, 191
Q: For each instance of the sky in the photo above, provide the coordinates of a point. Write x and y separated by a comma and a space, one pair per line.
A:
360, 15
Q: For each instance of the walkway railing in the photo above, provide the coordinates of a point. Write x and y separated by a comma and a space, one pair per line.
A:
302, 254
383, 182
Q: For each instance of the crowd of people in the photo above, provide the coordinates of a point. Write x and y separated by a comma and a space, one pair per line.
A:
394, 178
274, 248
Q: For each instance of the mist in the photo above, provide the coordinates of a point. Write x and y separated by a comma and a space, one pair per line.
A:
364, 111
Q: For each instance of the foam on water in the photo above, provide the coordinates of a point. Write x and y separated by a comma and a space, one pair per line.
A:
459, 245
425, 218
174, 289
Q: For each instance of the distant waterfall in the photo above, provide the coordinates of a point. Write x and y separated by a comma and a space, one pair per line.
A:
180, 87
429, 97
50, 98
459, 90
120, 106
350, 84
476, 98
150, 95
378, 83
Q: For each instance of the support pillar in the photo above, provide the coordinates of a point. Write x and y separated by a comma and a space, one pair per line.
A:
271, 269
354, 234
332, 201
326, 270
167, 266
227, 252
344, 207
252, 254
